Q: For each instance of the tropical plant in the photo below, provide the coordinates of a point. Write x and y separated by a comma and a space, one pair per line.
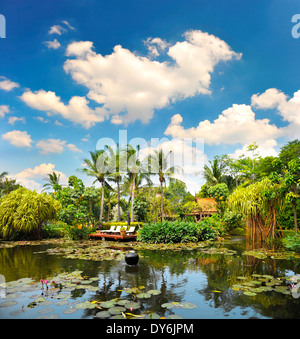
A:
80, 204
290, 185
182, 231
259, 202
136, 172
220, 193
23, 213
96, 167
159, 165
52, 181
115, 170
215, 173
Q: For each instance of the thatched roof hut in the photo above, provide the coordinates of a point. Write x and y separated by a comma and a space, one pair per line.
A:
207, 207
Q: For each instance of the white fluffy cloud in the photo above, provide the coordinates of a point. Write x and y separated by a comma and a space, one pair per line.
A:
271, 98
18, 138
12, 120
4, 109
57, 29
29, 177
77, 109
288, 108
265, 149
54, 44
7, 85
55, 146
186, 156
131, 87
236, 124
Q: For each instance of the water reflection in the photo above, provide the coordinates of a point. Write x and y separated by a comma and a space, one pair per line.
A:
186, 276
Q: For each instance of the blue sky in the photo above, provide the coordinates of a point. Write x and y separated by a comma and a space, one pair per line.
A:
73, 72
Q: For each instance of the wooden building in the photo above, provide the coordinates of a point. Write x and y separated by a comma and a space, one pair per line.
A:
207, 207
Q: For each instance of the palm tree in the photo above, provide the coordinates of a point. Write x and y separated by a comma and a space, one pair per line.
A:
115, 175
133, 167
97, 167
159, 165
136, 173
3, 175
52, 181
215, 174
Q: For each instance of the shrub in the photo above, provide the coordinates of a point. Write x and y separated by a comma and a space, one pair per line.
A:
77, 232
233, 219
23, 213
181, 231
55, 229
211, 228
292, 242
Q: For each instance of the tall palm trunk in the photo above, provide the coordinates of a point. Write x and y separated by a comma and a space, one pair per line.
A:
295, 217
118, 186
102, 201
162, 201
132, 198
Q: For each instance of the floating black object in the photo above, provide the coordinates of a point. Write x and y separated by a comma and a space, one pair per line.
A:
131, 258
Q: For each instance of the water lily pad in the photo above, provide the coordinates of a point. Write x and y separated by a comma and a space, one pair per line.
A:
251, 294
16, 313
8, 303
122, 302
154, 292
188, 306
132, 305
118, 316
39, 300
46, 310
108, 304
62, 303
12, 296
143, 295
168, 305
132, 290
70, 310
174, 316
116, 310
152, 316
93, 288
85, 305
50, 316
102, 314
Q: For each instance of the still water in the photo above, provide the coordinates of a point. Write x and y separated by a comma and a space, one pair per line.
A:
192, 284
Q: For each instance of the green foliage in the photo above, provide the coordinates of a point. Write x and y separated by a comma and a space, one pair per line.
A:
80, 204
182, 231
292, 242
23, 212
220, 193
53, 229
141, 208
232, 219
77, 233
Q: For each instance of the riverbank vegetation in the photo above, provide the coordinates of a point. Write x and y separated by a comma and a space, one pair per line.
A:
257, 194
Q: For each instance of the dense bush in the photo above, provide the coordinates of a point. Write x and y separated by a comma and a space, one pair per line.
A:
181, 231
79, 232
23, 213
292, 242
233, 219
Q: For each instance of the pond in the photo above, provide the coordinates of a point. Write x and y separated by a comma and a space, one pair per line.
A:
91, 280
